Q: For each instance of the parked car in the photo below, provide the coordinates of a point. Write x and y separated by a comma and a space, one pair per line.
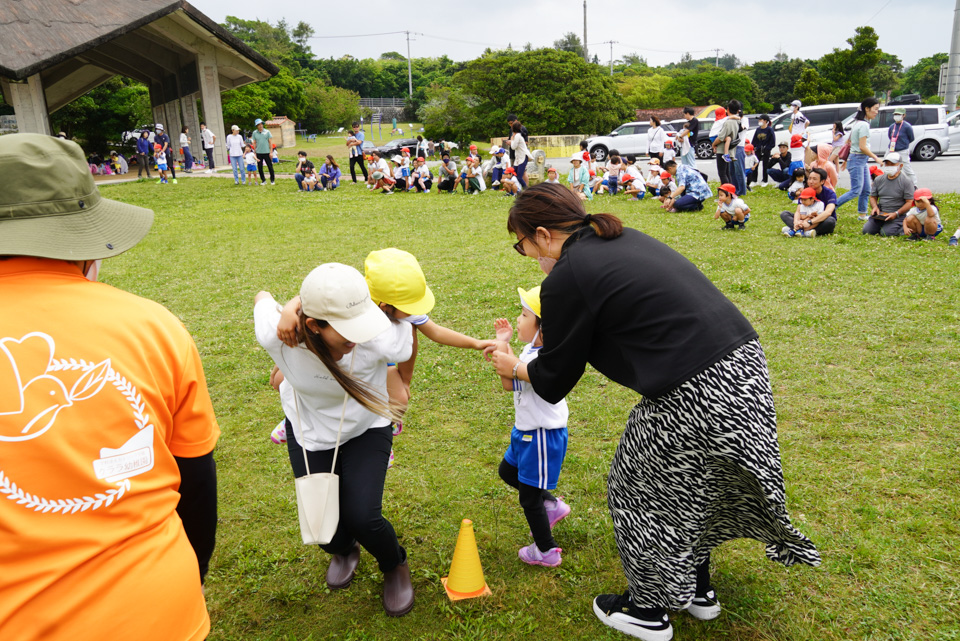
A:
394, 146
906, 99
930, 130
953, 129
703, 146
821, 118
629, 138
133, 135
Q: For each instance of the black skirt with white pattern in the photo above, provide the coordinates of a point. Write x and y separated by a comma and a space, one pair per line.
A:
697, 467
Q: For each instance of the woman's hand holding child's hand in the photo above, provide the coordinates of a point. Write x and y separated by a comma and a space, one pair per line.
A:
289, 321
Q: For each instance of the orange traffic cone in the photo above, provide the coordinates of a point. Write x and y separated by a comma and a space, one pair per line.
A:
466, 575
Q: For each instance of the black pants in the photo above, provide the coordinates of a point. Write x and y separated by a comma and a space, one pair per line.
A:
427, 184
354, 161
823, 228
764, 158
209, 151
723, 168
324, 180
142, 163
172, 166
531, 500
362, 466
265, 158
446, 184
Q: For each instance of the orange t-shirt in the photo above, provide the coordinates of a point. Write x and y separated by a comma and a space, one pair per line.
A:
99, 390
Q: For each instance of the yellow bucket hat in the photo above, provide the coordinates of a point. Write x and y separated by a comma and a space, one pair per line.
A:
394, 277
530, 299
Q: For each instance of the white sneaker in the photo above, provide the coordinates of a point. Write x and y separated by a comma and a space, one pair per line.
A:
705, 608
209, 171
618, 612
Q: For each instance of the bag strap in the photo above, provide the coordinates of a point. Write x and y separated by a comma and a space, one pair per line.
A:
343, 413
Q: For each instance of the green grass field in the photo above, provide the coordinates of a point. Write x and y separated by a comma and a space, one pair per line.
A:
863, 341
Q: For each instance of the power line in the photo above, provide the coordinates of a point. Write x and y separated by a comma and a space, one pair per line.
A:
360, 35
879, 12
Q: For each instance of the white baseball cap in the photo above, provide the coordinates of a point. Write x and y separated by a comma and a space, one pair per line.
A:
795, 103
159, 127
338, 294
893, 157
234, 128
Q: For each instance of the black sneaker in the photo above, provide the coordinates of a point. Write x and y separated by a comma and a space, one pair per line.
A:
730, 225
704, 607
618, 612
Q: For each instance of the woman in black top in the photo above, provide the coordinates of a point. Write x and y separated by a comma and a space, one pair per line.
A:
698, 463
764, 140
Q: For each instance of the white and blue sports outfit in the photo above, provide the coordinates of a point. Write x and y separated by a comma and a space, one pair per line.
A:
538, 442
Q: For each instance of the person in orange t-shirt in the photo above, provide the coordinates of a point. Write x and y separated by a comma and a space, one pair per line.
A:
107, 480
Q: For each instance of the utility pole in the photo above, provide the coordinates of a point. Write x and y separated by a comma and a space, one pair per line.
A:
613, 42
410, 65
586, 56
953, 63
719, 50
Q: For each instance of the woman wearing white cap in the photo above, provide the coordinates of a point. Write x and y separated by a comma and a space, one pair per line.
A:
698, 463
335, 380
235, 153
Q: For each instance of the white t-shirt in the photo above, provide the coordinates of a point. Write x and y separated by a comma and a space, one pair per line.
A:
731, 207
744, 125
515, 182
381, 165
922, 214
798, 124
519, 145
208, 137
320, 395
655, 140
250, 158
235, 145
184, 141
812, 210
655, 181
531, 411
668, 154
634, 172
750, 160
715, 127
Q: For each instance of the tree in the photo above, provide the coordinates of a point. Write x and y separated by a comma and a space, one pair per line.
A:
448, 114
242, 106
812, 89
392, 55
776, 79
711, 85
644, 91
885, 77
328, 108
634, 60
848, 70
924, 77
569, 42
301, 33
102, 115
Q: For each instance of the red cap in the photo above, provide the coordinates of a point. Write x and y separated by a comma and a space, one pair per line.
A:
593, 173
509, 170
796, 140
664, 175
626, 178
875, 171
808, 192
922, 193
473, 146
720, 112
730, 189
748, 147
405, 150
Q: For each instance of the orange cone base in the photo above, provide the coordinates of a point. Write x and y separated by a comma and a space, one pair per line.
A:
459, 596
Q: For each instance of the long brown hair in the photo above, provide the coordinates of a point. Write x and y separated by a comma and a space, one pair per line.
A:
555, 207
332, 161
368, 397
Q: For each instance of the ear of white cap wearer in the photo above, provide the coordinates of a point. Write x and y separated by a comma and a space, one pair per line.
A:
338, 294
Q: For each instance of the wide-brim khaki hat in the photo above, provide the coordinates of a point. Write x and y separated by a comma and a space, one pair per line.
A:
50, 206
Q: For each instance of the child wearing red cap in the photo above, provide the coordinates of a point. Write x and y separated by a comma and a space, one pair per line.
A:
511, 186
669, 186
731, 209
750, 164
808, 209
923, 219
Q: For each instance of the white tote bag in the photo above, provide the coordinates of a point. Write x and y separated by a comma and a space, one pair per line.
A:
318, 495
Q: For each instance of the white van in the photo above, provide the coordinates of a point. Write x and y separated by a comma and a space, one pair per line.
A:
930, 130
821, 118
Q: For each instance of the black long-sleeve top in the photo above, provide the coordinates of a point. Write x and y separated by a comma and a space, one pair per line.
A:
635, 309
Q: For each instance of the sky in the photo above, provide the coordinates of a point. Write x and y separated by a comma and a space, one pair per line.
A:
910, 29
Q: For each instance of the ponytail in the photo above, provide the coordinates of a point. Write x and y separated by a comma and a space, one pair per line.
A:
866, 104
557, 208
369, 398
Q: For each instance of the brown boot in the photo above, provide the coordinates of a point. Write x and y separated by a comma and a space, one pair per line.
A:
397, 591
342, 568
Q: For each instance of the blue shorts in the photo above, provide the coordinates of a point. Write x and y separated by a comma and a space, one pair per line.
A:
251, 168
538, 455
162, 166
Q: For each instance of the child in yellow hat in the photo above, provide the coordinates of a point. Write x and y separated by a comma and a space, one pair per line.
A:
397, 284
538, 442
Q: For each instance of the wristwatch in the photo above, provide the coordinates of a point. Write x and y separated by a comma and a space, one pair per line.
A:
515, 367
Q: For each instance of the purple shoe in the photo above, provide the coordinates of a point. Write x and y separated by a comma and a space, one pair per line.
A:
532, 555
557, 512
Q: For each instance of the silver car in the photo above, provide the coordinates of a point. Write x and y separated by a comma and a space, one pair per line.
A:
930, 130
630, 138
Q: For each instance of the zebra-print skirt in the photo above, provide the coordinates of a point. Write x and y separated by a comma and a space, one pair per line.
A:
697, 467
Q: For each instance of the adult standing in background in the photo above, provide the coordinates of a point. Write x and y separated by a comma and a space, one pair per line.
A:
209, 140
185, 149
693, 125
764, 140
655, 137
860, 153
235, 144
698, 463
261, 143
143, 154
511, 118
740, 177
901, 137
355, 151
723, 167
518, 147
106, 426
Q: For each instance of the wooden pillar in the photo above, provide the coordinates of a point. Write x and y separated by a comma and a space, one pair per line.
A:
212, 107
30, 106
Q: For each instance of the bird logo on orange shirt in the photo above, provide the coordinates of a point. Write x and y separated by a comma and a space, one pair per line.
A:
30, 397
